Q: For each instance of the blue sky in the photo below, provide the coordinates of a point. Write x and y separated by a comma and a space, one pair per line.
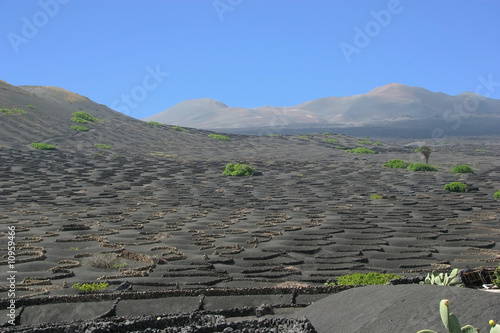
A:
141, 57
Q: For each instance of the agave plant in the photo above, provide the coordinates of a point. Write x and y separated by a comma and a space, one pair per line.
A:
443, 279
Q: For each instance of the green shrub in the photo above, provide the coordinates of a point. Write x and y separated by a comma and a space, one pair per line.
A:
275, 135
455, 187
102, 145
80, 128
375, 196
43, 146
496, 195
360, 150
154, 123
365, 141
421, 167
30, 106
331, 140
105, 260
376, 143
238, 169
83, 117
463, 168
19, 110
303, 136
218, 136
87, 288
180, 129
357, 279
396, 164
6, 111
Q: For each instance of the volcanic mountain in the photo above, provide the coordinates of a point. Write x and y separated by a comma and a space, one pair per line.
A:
388, 105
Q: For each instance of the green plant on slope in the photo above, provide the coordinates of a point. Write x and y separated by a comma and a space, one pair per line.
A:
331, 140
396, 164
238, 169
83, 117
30, 106
275, 135
358, 279
218, 136
80, 128
19, 110
455, 187
375, 196
6, 111
425, 151
360, 150
496, 195
463, 168
87, 288
179, 129
102, 145
154, 123
443, 279
43, 146
450, 321
421, 167
364, 141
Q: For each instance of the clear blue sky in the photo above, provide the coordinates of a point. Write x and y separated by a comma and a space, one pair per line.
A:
247, 53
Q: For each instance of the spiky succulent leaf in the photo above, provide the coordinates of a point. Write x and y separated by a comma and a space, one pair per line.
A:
454, 324
437, 280
454, 273
455, 281
444, 312
469, 329
495, 329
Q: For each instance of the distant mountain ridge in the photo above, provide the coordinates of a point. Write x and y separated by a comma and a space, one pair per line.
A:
390, 103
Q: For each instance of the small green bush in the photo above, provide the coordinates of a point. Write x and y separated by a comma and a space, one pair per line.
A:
365, 141
455, 187
87, 288
303, 136
360, 150
396, 164
357, 279
80, 128
421, 167
19, 110
154, 123
102, 145
376, 143
178, 128
238, 169
6, 111
463, 168
105, 260
375, 196
83, 117
496, 195
331, 140
275, 135
43, 146
218, 136
30, 106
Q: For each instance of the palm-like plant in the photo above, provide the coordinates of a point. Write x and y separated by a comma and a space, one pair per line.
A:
425, 151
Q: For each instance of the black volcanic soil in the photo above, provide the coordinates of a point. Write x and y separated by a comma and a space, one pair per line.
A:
184, 229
